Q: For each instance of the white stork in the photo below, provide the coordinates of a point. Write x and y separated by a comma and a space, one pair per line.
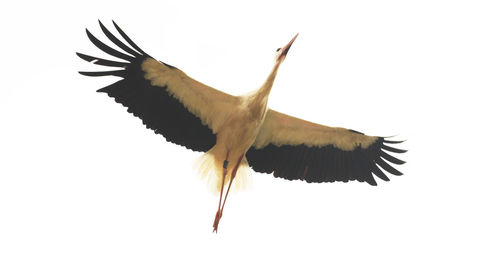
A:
237, 130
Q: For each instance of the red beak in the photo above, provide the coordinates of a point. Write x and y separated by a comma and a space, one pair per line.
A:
285, 49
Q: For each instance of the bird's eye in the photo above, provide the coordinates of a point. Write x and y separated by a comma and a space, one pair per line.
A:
278, 49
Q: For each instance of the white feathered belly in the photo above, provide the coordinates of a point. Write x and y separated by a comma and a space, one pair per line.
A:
233, 140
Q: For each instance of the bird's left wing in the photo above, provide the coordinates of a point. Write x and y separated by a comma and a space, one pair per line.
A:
168, 101
292, 148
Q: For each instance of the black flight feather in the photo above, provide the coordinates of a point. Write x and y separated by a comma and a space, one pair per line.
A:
100, 61
157, 109
324, 164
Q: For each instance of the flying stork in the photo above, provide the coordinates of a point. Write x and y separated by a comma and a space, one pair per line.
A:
236, 131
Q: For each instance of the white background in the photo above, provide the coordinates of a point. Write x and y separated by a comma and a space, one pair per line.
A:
79, 176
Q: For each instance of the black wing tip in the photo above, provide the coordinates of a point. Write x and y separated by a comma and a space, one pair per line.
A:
387, 167
127, 38
384, 156
381, 162
393, 141
117, 73
391, 158
379, 173
101, 61
83, 56
84, 73
106, 48
101, 24
372, 182
91, 36
116, 26
393, 149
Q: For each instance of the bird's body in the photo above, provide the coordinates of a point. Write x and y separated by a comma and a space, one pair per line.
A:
236, 131
236, 126
235, 137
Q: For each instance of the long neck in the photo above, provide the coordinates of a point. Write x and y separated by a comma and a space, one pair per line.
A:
257, 102
263, 92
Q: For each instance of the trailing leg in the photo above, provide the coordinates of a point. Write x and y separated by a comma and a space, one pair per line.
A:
218, 214
233, 175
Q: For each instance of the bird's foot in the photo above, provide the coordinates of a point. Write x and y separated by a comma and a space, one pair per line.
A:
218, 216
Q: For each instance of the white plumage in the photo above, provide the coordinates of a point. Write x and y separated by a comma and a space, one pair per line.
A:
236, 132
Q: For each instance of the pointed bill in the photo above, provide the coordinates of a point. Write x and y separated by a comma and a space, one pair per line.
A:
285, 49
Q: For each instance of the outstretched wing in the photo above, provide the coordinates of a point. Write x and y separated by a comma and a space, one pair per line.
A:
294, 149
168, 101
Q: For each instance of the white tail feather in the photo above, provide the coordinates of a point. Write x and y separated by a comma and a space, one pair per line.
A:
210, 170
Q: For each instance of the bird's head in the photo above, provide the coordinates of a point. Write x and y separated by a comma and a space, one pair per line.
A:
283, 51
280, 57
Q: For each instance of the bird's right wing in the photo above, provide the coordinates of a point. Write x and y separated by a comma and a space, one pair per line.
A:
168, 101
292, 148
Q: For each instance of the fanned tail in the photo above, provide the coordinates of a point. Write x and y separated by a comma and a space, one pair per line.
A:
209, 168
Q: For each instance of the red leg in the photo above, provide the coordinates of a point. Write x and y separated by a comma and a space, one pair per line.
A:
218, 214
233, 175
